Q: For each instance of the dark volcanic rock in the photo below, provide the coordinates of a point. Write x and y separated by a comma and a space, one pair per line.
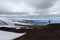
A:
52, 33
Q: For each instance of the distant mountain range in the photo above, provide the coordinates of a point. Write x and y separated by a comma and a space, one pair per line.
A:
37, 21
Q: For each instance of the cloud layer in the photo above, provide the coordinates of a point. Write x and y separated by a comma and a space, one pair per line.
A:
41, 9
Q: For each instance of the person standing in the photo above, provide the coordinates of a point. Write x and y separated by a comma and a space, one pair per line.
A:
49, 21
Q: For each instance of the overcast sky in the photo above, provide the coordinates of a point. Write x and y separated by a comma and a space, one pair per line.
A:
32, 9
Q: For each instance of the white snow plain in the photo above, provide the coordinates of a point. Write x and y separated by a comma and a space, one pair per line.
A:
4, 35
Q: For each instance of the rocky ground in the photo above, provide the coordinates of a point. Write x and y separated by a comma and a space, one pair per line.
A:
52, 32
48, 32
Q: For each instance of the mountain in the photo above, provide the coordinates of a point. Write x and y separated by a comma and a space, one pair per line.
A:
37, 21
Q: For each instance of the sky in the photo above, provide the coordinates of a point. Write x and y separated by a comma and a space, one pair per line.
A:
31, 9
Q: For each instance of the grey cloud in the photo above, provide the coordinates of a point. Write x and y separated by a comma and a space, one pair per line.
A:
38, 4
42, 4
47, 4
